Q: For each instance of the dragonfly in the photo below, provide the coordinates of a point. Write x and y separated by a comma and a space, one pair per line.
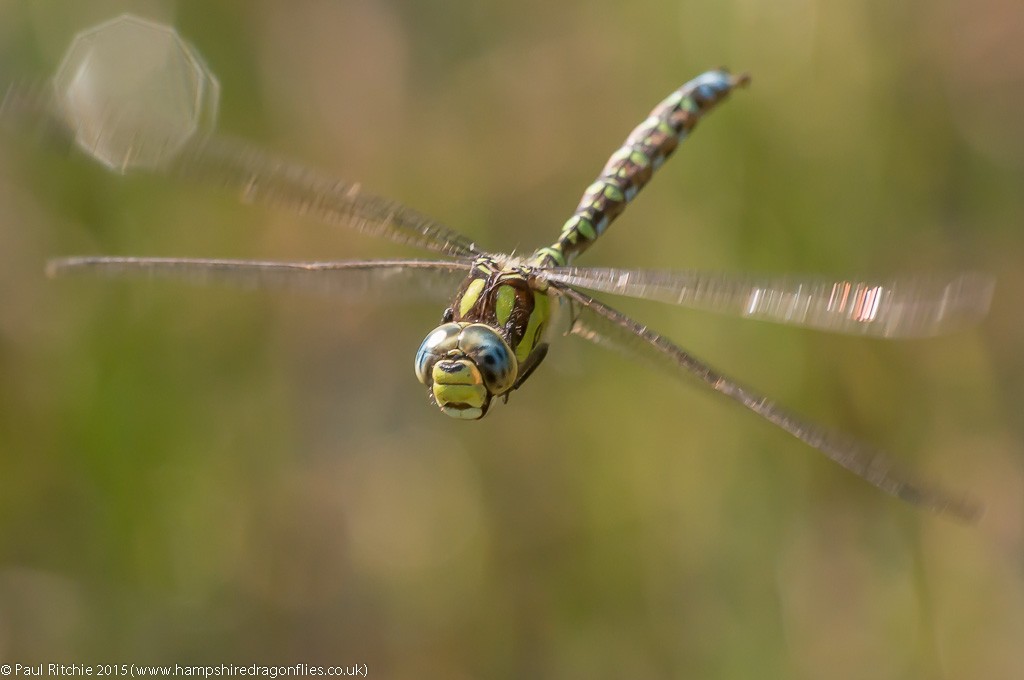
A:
494, 332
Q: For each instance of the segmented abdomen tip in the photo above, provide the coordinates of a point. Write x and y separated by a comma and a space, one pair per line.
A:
740, 80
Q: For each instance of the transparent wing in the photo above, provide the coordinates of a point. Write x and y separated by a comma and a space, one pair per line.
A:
607, 327
899, 308
356, 281
261, 177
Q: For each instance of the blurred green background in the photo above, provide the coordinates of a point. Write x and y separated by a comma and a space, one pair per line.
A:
204, 475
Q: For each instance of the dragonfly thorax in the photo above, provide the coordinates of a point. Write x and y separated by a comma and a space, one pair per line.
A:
489, 343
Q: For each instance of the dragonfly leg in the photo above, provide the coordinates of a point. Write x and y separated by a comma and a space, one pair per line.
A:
533, 360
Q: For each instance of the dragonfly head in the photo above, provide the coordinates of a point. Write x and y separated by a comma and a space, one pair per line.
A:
465, 365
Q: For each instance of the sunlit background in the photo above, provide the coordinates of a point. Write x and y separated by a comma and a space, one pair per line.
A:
207, 475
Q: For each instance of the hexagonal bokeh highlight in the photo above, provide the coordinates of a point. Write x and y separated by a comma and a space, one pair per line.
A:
134, 92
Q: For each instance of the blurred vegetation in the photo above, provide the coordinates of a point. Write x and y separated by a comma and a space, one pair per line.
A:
198, 475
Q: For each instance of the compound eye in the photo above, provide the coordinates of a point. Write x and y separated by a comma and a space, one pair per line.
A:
491, 355
438, 342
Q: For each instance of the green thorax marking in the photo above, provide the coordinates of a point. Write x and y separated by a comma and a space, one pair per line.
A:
504, 298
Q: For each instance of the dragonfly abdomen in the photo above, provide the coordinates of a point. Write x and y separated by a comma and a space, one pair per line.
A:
631, 167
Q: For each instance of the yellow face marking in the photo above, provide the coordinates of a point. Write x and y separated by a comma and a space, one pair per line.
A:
473, 395
467, 374
471, 296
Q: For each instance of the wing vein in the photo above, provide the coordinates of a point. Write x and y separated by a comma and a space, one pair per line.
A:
605, 326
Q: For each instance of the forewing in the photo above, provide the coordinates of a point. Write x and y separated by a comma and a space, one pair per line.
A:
372, 280
259, 176
909, 307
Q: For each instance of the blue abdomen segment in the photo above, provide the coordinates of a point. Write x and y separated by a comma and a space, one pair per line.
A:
632, 165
